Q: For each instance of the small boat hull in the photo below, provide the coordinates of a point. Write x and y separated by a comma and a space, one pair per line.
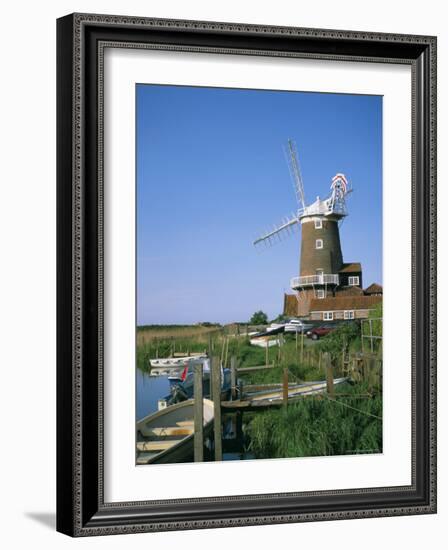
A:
264, 342
167, 436
309, 388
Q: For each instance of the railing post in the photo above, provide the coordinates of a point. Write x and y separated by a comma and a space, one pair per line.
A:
241, 389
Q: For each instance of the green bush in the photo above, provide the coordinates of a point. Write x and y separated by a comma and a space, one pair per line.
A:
343, 338
259, 318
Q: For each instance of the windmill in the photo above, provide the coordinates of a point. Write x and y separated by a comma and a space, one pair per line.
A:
321, 255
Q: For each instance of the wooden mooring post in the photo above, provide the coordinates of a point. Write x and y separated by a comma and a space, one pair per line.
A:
372, 371
329, 373
216, 394
233, 376
239, 426
198, 415
285, 387
211, 346
227, 352
301, 348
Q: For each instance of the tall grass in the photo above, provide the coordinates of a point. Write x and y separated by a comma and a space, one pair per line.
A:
318, 427
148, 334
286, 357
162, 342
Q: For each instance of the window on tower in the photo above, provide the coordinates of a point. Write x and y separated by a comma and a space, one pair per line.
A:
320, 294
319, 243
318, 223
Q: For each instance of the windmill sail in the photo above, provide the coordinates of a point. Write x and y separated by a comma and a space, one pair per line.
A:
286, 226
294, 168
289, 223
333, 205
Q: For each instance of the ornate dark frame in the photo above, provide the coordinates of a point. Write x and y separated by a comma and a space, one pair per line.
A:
81, 39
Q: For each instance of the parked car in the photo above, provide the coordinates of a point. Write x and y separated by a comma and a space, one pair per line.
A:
297, 325
320, 331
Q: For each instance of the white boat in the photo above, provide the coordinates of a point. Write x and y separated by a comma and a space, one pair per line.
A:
274, 326
308, 388
271, 330
168, 435
174, 367
264, 342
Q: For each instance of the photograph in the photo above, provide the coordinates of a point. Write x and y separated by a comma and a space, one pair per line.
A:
259, 274
225, 217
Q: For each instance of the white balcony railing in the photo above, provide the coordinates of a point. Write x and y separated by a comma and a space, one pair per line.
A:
309, 280
324, 208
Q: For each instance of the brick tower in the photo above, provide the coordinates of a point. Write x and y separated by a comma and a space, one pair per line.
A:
320, 255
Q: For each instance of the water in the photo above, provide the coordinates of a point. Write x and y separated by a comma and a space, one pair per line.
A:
238, 456
149, 389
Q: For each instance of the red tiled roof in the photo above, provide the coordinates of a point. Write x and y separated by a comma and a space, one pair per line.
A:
350, 291
339, 303
354, 267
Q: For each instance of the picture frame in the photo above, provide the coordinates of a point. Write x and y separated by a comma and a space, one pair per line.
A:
81, 507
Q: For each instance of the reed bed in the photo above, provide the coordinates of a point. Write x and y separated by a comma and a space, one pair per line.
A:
151, 334
318, 426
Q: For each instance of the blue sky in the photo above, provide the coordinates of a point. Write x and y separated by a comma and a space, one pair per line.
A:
212, 176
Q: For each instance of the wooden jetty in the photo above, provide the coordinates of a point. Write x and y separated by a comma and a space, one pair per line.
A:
254, 397
275, 397
254, 369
